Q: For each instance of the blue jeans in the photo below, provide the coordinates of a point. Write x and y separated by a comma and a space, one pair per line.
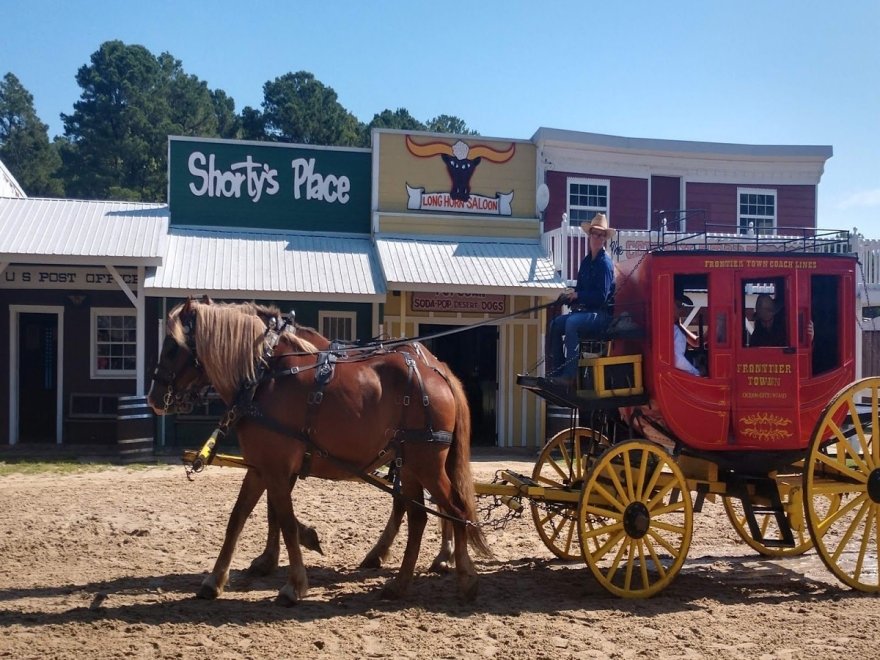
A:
574, 326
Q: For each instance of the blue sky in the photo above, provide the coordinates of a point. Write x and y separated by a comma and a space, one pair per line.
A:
746, 71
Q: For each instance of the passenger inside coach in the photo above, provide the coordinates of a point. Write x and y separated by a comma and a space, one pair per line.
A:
769, 321
682, 337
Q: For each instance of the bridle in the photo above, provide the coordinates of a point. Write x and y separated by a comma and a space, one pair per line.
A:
183, 400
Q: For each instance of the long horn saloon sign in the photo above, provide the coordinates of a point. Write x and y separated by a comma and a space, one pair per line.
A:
461, 162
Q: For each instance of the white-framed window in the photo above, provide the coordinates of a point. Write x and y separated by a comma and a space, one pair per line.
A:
586, 198
756, 210
113, 343
338, 325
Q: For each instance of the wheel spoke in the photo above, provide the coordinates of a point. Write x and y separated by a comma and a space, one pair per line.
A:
838, 465
662, 541
604, 529
660, 494
639, 486
668, 527
661, 569
842, 511
620, 505
866, 539
843, 442
671, 507
643, 564
850, 530
615, 564
630, 562
602, 550
628, 477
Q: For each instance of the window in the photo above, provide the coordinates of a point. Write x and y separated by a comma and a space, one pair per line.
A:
764, 312
756, 211
825, 315
586, 198
114, 343
338, 325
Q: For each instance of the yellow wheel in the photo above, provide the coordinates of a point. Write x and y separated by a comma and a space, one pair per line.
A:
562, 465
635, 519
793, 502
842, 466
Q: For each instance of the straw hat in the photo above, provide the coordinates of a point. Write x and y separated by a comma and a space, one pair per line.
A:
599, 221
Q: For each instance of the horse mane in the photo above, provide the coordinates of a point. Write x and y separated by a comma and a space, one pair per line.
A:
231, 341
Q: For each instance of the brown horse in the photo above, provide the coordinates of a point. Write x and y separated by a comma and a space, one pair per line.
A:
345, 415
267, 561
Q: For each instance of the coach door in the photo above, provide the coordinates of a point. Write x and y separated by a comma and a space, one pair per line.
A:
765, 377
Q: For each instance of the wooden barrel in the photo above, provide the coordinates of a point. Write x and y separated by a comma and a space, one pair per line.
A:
559, 418
135, 429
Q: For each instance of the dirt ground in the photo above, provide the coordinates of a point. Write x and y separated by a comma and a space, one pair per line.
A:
105, 564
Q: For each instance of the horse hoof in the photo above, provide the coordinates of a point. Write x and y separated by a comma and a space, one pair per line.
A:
262, 566
441, 566
468, 590
371, 561
288, 596
391, 591
207, 592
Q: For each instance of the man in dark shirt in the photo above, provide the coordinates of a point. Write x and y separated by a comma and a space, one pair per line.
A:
769, 323
589, 302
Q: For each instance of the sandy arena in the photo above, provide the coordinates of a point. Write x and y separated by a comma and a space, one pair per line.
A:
105, 564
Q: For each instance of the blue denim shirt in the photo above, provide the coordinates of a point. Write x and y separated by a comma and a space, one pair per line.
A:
595, 282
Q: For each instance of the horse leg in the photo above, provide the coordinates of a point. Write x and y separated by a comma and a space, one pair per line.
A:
442, 494
297, 584
445, 559
267, 562
248, 495
379, 552
416, 518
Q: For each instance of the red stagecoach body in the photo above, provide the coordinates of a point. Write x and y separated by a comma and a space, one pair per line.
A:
749, 398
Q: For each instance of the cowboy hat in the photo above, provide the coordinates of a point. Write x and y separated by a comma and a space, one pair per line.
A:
684, 300
599, 221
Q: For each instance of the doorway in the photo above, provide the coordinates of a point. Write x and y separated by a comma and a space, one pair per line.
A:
35, 397
472, 355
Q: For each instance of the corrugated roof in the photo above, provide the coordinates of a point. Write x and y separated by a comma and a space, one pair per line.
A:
266, 264
467, 265
74, 231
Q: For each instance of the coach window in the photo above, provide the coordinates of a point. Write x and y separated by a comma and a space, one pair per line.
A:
764, 313
695, 318
825, 315
338, 325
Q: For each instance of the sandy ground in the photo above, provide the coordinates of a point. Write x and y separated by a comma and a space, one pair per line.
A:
105, 564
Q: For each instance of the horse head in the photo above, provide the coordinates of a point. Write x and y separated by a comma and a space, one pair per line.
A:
178, 378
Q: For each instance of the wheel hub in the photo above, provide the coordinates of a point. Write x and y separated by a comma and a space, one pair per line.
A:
636, 520
874, 486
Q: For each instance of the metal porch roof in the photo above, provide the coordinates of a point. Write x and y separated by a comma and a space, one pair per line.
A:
268, 264
467, 265
81, 232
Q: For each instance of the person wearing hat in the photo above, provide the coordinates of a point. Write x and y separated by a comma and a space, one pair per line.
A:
590, 303
681, 336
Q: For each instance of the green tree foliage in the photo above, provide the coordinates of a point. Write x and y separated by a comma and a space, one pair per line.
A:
24, 142
449, 124
116, 138
299, 108
228, 123
399, 119
253, 125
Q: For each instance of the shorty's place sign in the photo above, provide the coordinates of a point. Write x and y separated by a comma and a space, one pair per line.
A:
477, 303
268, 185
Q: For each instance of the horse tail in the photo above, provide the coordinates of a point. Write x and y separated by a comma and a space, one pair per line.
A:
460, 460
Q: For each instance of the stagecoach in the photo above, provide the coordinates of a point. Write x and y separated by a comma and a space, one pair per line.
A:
781, 434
